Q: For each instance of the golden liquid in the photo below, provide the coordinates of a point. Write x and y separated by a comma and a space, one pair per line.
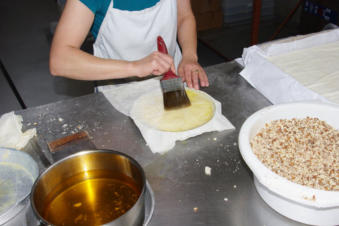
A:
94, 201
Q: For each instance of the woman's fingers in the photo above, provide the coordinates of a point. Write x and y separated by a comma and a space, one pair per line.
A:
195, 78
192, 74
182, 74
156, 63
162, 63
188, 78
203, 78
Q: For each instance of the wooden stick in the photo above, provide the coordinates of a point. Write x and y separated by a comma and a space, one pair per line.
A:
67, 139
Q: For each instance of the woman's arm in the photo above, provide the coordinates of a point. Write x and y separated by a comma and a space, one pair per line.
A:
189, 68
68, 60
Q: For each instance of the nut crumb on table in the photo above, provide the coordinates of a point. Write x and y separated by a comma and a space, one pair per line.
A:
305, 151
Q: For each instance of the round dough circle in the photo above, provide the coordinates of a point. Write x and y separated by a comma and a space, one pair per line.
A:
149, 110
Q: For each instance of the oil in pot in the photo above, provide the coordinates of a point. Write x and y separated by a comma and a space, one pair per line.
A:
91, 198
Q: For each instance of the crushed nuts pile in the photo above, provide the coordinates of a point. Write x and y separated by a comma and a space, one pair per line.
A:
305, 151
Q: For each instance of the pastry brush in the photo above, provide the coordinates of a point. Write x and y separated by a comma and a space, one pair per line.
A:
173, 89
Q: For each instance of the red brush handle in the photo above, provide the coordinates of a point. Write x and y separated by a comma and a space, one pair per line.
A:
161, 45
163, 49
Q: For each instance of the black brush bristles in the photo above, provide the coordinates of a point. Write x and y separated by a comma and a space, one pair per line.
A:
174, 94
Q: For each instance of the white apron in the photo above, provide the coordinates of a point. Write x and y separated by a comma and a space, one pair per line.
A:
132, 35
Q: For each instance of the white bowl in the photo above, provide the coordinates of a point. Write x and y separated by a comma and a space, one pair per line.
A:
288, 198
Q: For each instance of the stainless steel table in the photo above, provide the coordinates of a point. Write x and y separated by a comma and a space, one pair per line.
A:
184, 194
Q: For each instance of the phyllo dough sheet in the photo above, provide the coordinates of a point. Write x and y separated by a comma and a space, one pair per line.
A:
316, 68
298, 68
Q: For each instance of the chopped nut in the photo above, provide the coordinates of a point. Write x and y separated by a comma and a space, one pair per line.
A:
305, 151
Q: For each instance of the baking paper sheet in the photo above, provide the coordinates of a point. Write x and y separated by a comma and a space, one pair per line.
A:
122, 97
270, 80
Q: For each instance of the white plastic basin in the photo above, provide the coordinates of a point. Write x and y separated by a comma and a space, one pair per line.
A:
288, 198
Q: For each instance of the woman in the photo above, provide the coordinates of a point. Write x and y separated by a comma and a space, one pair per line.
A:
125, 45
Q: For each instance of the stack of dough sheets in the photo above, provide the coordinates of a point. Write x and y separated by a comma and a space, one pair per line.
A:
316, 68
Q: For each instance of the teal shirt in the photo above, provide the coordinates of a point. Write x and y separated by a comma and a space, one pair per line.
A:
100, 7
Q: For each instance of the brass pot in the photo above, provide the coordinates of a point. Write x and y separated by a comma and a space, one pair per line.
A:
92, 187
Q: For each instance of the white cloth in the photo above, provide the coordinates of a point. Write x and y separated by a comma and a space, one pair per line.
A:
274, 83
11, 135
123, 97
132, 35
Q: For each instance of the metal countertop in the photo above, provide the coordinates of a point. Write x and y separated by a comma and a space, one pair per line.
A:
184, 194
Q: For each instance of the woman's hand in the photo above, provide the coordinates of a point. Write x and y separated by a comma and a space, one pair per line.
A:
191, 73
154, 64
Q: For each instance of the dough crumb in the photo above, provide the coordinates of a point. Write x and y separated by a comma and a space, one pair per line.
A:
235, 186
60, 119
195, 209
208, 170
80, 127
214, 138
